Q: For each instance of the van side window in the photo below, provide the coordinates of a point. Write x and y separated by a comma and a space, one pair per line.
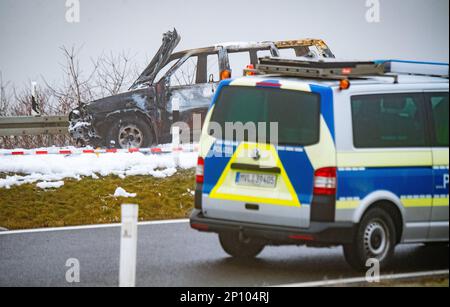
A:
439, 105
389, 121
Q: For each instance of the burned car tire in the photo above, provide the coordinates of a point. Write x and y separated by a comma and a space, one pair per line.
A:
130, 132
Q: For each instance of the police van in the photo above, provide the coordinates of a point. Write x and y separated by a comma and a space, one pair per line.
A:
361, 158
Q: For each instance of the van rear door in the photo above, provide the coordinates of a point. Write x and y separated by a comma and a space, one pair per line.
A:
257, 174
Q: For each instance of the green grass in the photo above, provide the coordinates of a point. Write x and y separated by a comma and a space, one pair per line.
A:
90, 201
425, 282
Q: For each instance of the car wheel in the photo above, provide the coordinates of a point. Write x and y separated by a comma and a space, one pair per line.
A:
375, 239
238, 247
130, 132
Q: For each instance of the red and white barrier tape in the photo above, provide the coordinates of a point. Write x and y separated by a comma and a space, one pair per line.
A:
69, 152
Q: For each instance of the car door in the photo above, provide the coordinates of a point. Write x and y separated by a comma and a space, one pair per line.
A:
438, 103
191, 90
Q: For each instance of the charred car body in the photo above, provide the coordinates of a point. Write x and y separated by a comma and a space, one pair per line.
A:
185, 80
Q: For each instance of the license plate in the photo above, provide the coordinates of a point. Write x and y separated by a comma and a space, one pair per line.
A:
256, 180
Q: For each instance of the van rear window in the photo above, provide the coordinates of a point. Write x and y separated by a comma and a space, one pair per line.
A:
296, 113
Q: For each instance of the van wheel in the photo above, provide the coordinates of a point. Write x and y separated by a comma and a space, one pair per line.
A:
235, 247
375, 239
130, 132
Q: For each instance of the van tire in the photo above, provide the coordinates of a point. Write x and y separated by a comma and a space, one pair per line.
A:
235, 247
374, 238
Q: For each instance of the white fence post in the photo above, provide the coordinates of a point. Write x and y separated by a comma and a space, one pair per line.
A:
33, 89
175, 137
128, 245
34, 104
175, 109
175, 119
176, 145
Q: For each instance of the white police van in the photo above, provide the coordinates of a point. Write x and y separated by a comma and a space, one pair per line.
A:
361, 158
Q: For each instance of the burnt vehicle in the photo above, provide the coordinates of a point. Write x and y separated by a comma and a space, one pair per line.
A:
174, 88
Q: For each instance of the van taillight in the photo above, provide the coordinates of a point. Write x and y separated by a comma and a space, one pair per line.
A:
325, 181
200, 172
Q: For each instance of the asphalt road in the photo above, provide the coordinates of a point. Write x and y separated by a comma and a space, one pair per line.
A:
174, 255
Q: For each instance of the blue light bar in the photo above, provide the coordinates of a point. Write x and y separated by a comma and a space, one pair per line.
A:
416, 67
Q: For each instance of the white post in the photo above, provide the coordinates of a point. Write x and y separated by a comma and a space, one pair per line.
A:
175, 121
128, 245
34, 104
175, 109
175, 137
33, 89
176, 145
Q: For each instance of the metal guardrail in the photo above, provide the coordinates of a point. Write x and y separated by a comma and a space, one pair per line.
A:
34, 125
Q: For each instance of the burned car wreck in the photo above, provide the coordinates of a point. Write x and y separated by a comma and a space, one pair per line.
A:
174, 88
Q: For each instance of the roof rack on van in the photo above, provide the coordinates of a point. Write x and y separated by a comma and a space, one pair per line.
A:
338, 69
323, 69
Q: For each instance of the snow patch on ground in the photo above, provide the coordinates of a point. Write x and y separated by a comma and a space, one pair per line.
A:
50, 185
120, 192
58, 167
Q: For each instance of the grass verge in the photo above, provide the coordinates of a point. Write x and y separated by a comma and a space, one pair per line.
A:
90, 201
424, 282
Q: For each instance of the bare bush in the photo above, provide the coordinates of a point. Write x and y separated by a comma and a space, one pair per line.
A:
22, 107
74, 89
110, 74
23, 101
5, 97
113, 74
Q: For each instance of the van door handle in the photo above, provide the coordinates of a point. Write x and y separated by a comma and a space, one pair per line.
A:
257, 168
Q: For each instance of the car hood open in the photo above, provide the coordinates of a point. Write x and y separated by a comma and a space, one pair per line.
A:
170, 41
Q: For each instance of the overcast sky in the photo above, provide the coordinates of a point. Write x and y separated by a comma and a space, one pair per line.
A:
32, 31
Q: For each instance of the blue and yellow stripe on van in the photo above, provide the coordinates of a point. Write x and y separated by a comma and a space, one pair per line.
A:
410, 176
